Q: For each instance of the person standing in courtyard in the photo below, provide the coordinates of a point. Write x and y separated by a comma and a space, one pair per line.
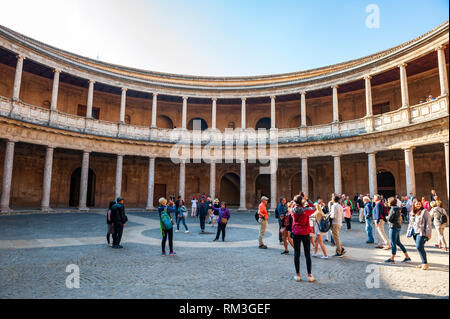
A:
182, 218
369, 219
337, 216
279, 211
347, 215
395, 226
118, 219
202, 213
440, 221
360, 205
194, 206
426, 204
166, 224
318, 217
420, 229
222, 220
380, 219
263, 220
110, 229
216, 204
286, 228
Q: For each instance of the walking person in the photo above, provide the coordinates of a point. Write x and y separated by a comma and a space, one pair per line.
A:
182, 218
178, 203
300, 233
222, 220
210, 210
369, 219
279, 211
337, 216
318, 217
166, 224
202, 213
286, 228
263, 220
360, 206
395, 226
380, 219
216, 204
118, 219
347, 215
110, 229
194, 206
420, 229
440, 221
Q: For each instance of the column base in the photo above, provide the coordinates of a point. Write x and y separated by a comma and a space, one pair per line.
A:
242, 209
83, 209
47, 209
5, 210
150, 208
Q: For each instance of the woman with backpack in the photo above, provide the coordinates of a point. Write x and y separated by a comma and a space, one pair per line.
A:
420, 229
300, 234
440, 221
395, 226
318, 217
109, 223
166, 223
222, 220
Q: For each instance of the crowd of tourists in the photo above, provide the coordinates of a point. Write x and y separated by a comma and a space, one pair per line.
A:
303, 222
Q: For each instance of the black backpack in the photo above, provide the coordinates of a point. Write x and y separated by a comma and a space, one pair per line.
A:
257, 216
442, 218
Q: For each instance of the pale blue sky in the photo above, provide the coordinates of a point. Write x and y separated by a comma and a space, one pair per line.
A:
221, 38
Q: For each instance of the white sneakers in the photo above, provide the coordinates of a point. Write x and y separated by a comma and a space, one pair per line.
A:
186, 232
324, 257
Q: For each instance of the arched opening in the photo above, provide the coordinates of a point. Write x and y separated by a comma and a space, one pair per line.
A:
264, 123
386, 184
262, 186
75, 180
230, 189
163, 121
297, 122
296, 186
198, 123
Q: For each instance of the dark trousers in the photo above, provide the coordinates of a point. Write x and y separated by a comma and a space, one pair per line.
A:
221, 228
117, 235
202, 222
348, 221
167, 233
305, 239
280, 237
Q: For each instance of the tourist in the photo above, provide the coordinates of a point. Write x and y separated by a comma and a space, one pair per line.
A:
300, 233
337, 216
216, 204
118, 219
395, 226
263, 220
318, 216
222, 220
426, 204
286, 228
182, 218
194, 206
166, 223
369, 219
202, 213
209, 204
347, 215
178, 203
110, 229
380, 219
433, 195
360, 206
420, 229
279, 211
326, 212
440, 221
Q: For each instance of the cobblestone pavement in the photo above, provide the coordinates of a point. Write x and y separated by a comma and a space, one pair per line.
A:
35, 250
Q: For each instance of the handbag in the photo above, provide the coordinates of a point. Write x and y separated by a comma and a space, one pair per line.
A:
223, 220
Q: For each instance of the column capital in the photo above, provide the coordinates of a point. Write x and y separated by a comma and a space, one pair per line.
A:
57, 71
214, 99
408, 148
273, 97
402, 65
124, 89
20, 57
446, 143
185, 98
155, 95
440, 47
87, 151
372, 153
243, 99
91, 82
336, 155
50, 147
303, 92
335, 86
367, 77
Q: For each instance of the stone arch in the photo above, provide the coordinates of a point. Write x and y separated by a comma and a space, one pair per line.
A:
203, 124
264, 123
163, 121
230, 189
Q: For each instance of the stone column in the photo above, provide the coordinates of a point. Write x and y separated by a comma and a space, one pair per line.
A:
369, 109
118, 187
182, 178
243, 180
123, 102
303, 109
212, 179
305, 177
47, 180
244, 113
410, 173
273, 184
337, 175
443, 77
151, 183
404, 85
214, 113
18, 77
154, 109
372, 163
7, 177
90, 99
54, 103
335, 104
184, 114
273, 113
447, 167
84, 181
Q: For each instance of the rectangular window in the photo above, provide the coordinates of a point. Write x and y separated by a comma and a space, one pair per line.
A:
81, 111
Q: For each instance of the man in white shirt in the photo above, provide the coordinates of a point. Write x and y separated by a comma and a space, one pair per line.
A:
337, 216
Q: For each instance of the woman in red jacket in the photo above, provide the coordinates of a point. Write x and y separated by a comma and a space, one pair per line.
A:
300, 232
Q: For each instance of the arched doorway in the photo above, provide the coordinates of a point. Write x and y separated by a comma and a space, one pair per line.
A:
199, 122
264, 123
262, 186
296, 186
230, 189
163, 121
386, 184
75, 180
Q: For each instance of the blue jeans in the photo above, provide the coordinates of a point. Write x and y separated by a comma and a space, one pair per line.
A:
420, 245
369, 229
394, 237
181, 219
